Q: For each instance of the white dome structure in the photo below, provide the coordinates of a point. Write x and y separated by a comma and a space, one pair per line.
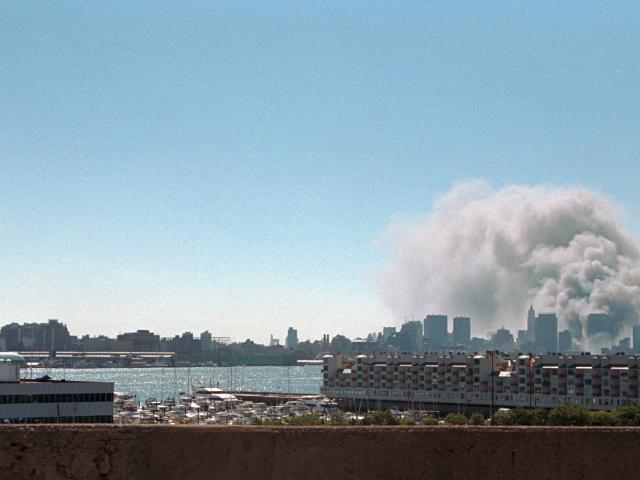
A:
10, 363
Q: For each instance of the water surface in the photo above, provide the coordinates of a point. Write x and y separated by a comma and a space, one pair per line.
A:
168, 381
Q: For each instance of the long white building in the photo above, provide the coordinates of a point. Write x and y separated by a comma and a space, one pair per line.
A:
492, 379
50, 401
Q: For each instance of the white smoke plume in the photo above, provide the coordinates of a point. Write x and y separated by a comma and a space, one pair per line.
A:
489, 254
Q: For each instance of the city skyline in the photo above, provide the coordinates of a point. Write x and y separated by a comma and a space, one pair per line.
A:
243, 167
540, 335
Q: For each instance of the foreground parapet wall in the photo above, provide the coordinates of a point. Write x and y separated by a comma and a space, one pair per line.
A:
177, 452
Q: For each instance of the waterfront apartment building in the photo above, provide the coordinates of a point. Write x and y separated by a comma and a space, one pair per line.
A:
489, 380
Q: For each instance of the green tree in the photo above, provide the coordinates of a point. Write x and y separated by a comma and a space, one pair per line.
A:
538, 416
407, 421
455, 419
503, 417
601, 418
337, 418
305, 419
476, 419
627, 415
569, 414
383, 417
529, 416
256, 420
429, 421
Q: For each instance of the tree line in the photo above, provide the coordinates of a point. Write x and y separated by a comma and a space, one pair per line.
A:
568, 414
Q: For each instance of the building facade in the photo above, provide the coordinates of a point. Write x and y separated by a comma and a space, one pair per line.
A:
435, 330
461, 334
546, 332
292, 338
410, 337
489, 380
51, 401
49, 336
636, 339
564, 341
141, 340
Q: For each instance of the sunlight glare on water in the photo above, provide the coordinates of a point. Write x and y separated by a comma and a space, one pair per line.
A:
169, 381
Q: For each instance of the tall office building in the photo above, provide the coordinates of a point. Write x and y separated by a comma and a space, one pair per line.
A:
206, 341
410, 337
564, 341
624, 345
292, 338
523, 337
461, 331
502, 340
601, 324
636, 339
545, 332
435, 330
387, 333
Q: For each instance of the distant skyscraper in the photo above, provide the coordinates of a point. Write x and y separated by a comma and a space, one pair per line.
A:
502, 340
292, 338
601, 324
545, 332
461, 331
624, 345
205, 341
326, 343
636, 339
564, 341
387, 333
531, 320
522, 338
410, 337
435, 330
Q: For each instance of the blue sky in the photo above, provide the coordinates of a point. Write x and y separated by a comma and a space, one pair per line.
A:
229, 165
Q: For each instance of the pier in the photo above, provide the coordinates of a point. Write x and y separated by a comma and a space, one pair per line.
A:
99, 358
270, 398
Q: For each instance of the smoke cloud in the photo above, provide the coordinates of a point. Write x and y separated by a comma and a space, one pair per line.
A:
490, 253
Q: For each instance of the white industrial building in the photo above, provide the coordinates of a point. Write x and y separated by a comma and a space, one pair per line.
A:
50, 401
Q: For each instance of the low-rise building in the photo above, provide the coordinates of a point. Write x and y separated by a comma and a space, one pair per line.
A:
50, 401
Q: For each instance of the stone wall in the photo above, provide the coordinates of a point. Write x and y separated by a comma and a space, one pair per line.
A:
190, 452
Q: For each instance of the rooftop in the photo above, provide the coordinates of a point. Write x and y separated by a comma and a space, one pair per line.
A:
12, 357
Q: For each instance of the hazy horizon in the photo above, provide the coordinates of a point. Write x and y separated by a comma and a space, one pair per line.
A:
240, 167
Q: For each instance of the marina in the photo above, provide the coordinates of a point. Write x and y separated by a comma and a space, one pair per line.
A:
212, 406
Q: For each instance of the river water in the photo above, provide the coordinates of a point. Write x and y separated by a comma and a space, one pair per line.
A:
167, 382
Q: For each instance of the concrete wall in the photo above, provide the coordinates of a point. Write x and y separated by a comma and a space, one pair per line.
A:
190, 452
